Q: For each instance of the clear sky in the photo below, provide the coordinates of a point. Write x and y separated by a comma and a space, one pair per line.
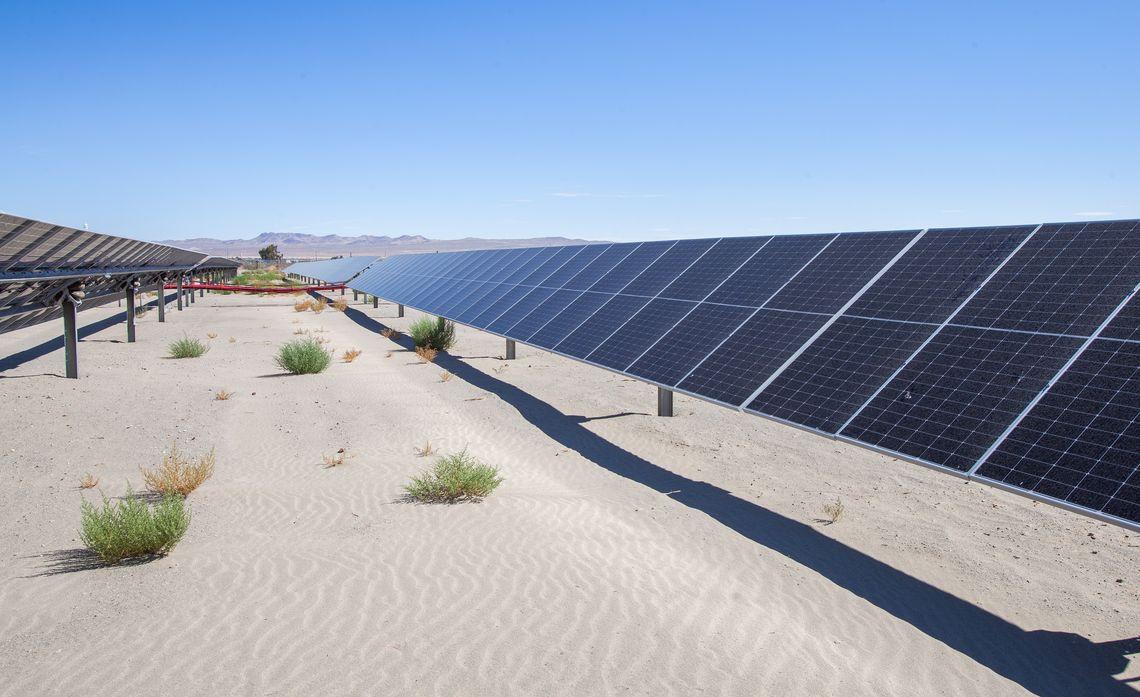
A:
620, 121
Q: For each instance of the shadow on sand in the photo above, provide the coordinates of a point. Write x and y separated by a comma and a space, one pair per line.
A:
1049, 664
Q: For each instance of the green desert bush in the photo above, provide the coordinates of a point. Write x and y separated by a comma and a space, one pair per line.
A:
303, 356
437, 333
454, 478
131, 527
187, 348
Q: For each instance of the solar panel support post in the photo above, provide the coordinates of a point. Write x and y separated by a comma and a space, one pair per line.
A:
375, 301
160, 287
510, 352
664, 402
355, 297
180, 293
130, 295
192, 291
342, 290
70, 340
399, 310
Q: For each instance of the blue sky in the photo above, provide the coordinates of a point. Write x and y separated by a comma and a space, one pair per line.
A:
620, 121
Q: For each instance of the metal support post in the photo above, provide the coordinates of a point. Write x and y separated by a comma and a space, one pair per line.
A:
510, 354
161, 288
130, 314
375, 301
664, 402
70, 340
399, 310
180, 293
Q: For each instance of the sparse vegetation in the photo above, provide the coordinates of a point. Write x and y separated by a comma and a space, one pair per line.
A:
132, 528
340, 304
445, 376
223, 395
319, 306
302, 305
388, 355
389, 333
187, 347
832, 512
262, 277
298, 331
351, 355
233, 340
335, 459
427, 355
302, 357
454, 478
140, 312
427, 449
211, 335
438, 333
178, 473
89, 481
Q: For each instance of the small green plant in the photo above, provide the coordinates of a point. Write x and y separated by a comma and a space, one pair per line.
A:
437, 333
132, 528
303, 356
454, 478
187, 348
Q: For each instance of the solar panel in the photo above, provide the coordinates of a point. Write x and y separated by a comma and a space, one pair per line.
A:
331, 270
949, 347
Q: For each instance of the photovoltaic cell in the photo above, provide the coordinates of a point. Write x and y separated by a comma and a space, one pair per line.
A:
751, 354
600, 266
1081, 442
834, 376
498, 307
768, 269
575, 265
638, 334
710, 270
520, 309
548, 266
938, 273
679, 351
630, 267
840, 271
667, 268
595, 327
955, 397
1066, 279
542, 313
568, 320
1126, 324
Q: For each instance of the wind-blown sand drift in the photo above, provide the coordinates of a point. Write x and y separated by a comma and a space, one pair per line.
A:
624, 553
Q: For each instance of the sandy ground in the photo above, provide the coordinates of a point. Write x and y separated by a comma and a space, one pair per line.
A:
624, 554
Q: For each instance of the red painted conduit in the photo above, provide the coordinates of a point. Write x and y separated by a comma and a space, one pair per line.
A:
252, 289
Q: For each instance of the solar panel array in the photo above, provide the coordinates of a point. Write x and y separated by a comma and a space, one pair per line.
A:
331, 270
38, 261
1005, 354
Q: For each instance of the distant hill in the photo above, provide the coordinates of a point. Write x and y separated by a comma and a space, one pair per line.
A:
296, 245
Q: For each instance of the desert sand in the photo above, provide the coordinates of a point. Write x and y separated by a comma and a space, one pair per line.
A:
624, 554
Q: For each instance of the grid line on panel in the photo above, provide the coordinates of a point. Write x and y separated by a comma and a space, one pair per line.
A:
603, 323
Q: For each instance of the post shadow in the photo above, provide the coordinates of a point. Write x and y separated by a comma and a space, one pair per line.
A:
1046, 663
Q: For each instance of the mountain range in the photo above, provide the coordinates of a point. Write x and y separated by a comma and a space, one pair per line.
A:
297, 245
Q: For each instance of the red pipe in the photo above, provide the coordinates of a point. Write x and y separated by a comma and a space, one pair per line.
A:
253, 289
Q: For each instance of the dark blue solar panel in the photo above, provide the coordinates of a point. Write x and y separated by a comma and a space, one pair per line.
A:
520, 309
841, 369
840, 271
713, 268
449, 305
752, 353
573, 267
548, 266
629, 268
542, 313
1081, 442
522, 267
597, 327
959, 393
688, 343
600, 266
939, 273
476, 305
634, 337
665, 270
1066, 279
498, 307
568, 320
769, 269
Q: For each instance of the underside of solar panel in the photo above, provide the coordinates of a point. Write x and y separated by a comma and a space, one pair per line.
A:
1008, 355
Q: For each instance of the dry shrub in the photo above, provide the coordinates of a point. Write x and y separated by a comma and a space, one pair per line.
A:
319, 306
832, 512
233, 340
302, 305
335, 459
89, 481
211, 335
223, 395
500, 369
179, 474
445, 376
388, 355
351, 355
340, 304
299, 330
426, 354
389, 333
426, 450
